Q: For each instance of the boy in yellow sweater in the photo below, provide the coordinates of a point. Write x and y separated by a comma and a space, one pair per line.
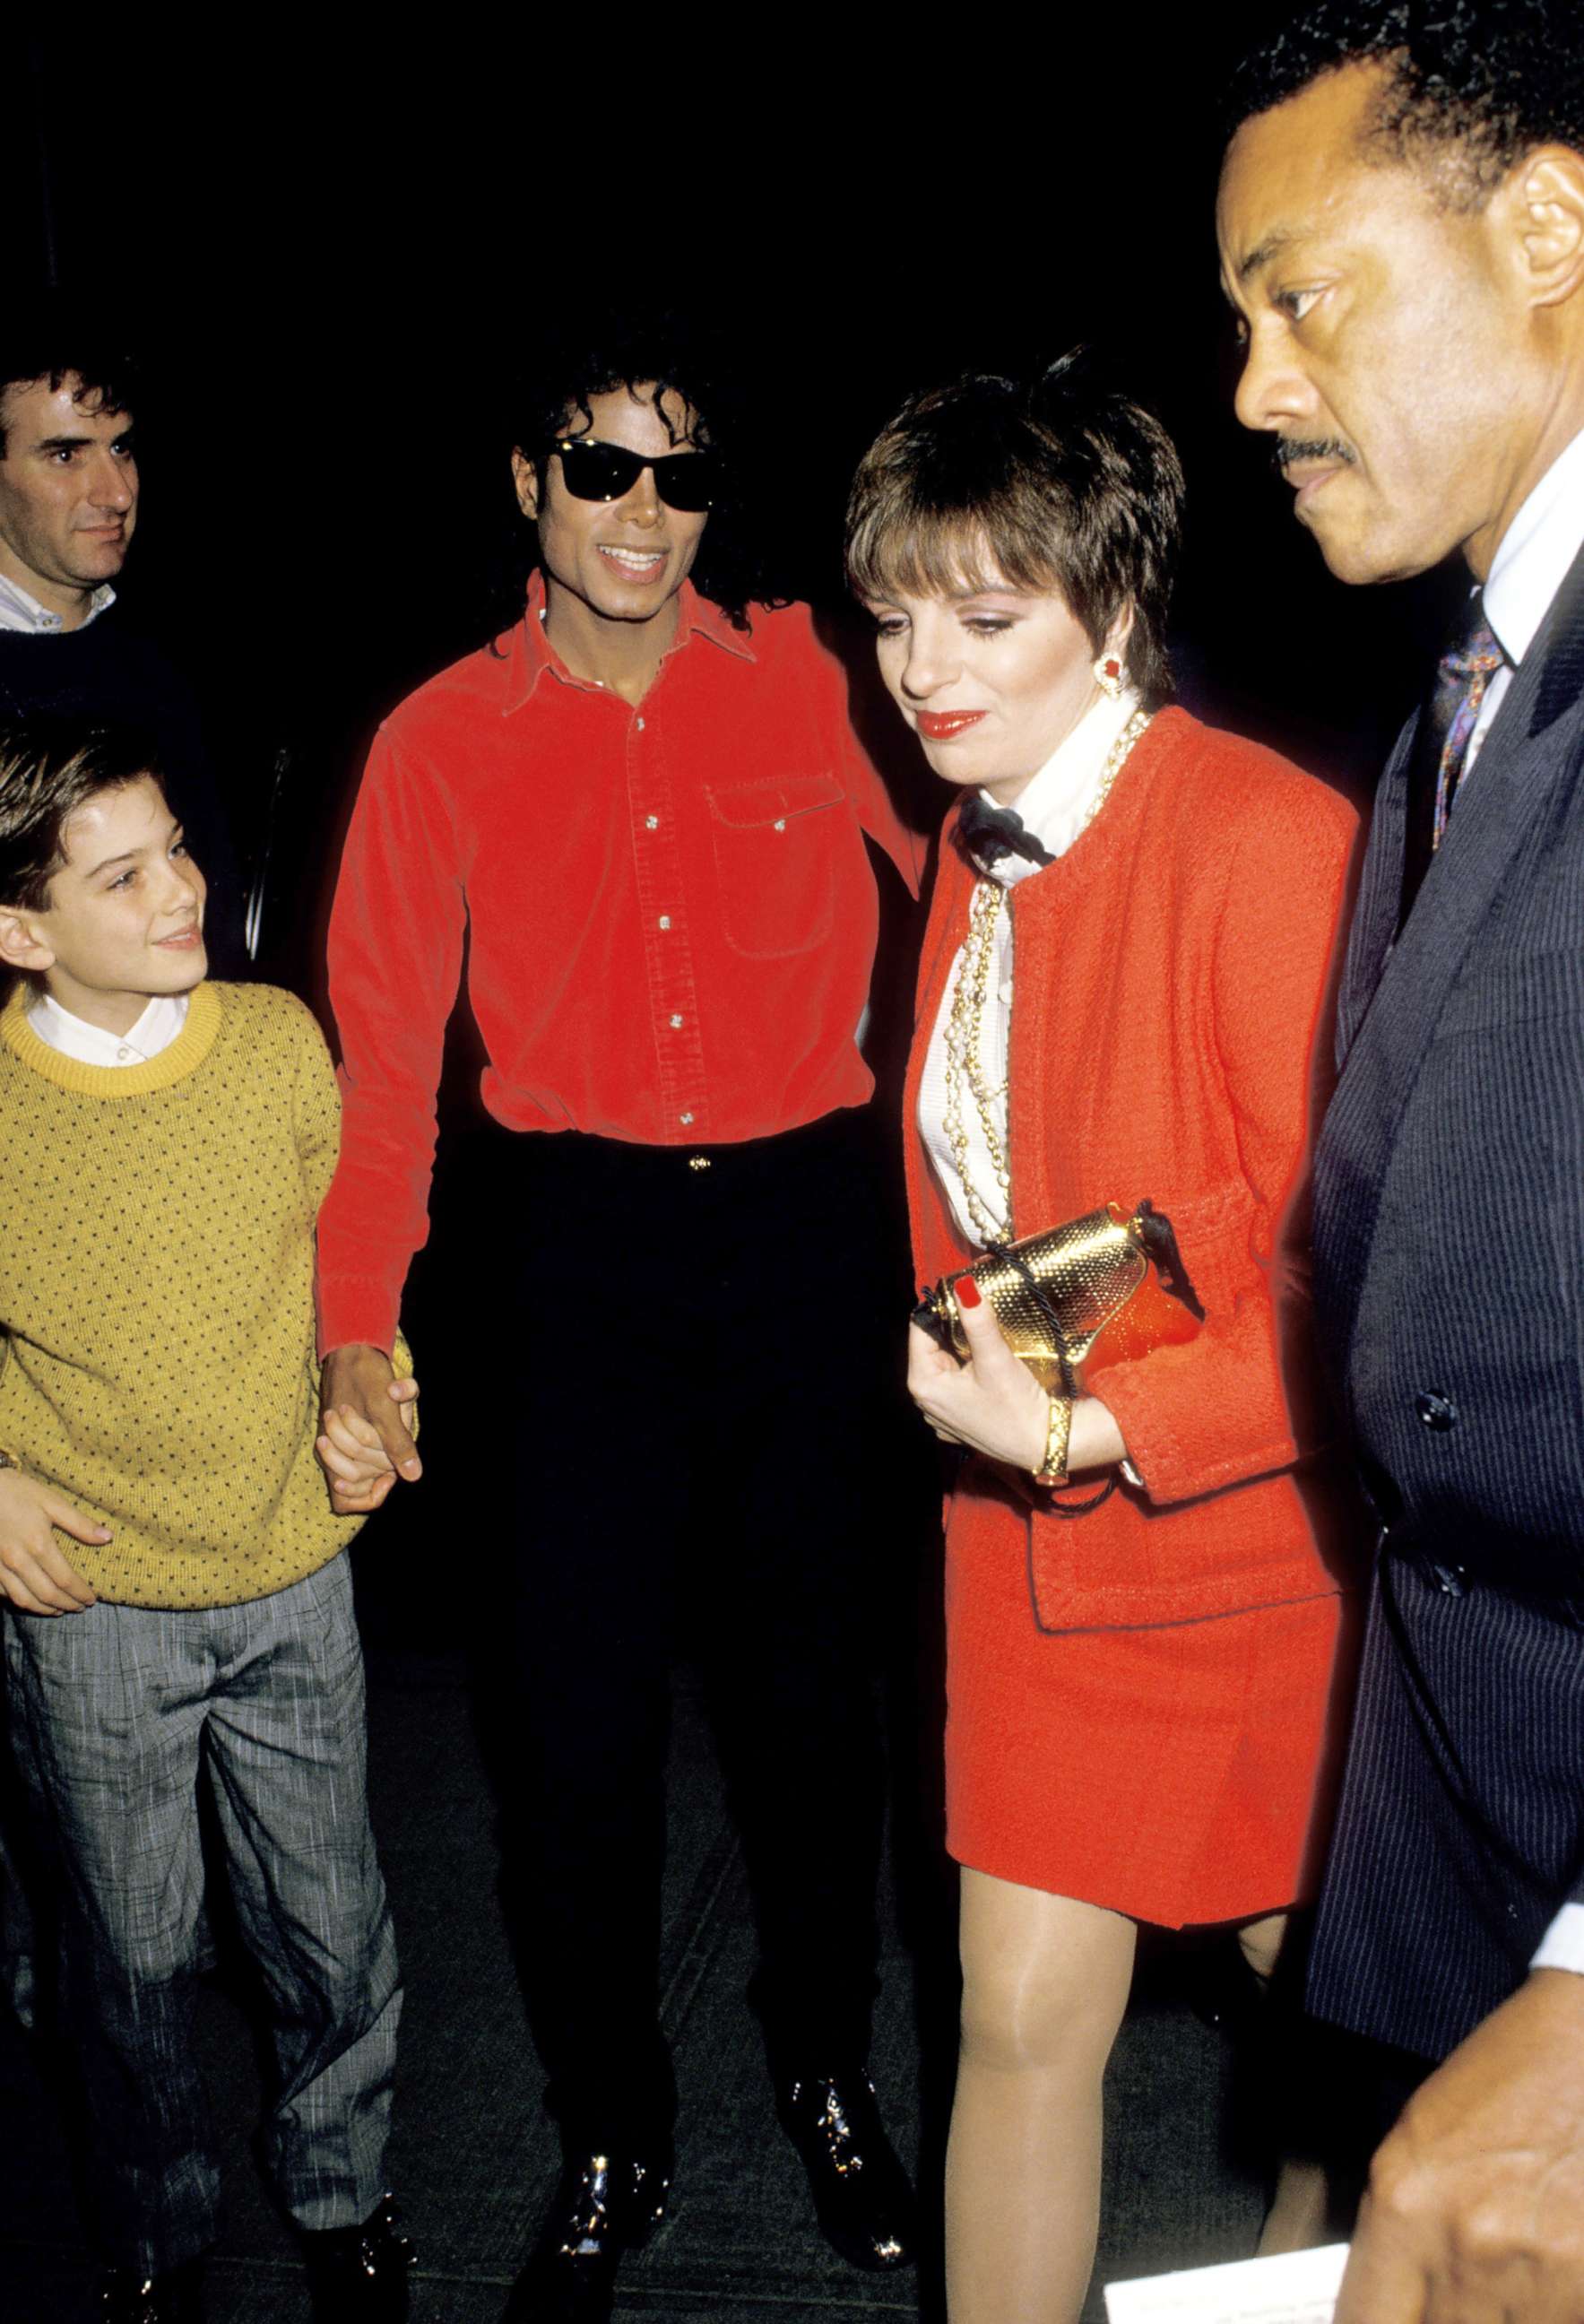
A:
176, 1606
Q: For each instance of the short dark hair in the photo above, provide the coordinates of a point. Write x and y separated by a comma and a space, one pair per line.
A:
51, 338
1058, 483
49, 766
666, 356
1475, 84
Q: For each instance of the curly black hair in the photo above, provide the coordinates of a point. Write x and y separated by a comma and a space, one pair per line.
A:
50, 337
1476, 84
660, 354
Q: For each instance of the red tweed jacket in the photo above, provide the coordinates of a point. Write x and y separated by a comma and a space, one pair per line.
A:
1171, 973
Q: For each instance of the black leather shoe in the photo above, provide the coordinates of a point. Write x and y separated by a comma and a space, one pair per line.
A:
861, 2194
173, 2297
358, 2275
605, 2205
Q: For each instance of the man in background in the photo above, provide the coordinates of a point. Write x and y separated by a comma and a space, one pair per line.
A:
68, 509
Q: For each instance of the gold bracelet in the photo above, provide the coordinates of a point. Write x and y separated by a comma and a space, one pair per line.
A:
1058, 1428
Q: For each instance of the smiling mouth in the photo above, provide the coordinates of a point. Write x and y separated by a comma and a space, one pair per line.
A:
640, 564
940, 725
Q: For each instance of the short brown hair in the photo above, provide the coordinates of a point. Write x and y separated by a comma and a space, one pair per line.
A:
49, 766
1061, 483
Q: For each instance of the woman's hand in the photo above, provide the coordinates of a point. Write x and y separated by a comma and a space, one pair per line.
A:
994, 1404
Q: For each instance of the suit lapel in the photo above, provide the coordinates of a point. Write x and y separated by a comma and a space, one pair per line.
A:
1391, 1016
1380, 888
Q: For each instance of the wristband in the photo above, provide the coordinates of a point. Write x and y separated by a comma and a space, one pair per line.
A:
1053, 1468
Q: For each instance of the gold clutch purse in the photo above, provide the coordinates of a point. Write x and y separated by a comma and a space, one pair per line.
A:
1099, 1290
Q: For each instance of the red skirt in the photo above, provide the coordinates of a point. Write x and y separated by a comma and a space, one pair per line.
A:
1173, 1774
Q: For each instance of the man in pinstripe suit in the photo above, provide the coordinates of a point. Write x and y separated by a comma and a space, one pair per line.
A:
1402, 232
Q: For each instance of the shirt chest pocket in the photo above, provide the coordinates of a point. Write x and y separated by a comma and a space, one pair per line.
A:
777, 843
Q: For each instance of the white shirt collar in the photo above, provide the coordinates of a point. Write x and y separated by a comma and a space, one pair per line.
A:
1537, 551
155, 1030
1055, 803
21, 610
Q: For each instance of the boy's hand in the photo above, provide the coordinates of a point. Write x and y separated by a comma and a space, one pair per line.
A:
34, 1575
365, 1421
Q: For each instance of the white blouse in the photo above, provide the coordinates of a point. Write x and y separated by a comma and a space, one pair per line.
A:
1054, 805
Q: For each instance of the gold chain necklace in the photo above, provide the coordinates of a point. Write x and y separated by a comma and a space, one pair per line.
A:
964, 1063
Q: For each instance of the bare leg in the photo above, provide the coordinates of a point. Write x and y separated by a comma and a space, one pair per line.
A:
1299, 2217
1046, 1982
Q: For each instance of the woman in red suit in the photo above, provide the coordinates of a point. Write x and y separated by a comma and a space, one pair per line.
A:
1120, 995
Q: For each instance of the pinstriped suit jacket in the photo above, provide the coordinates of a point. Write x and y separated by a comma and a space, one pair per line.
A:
1449, 1300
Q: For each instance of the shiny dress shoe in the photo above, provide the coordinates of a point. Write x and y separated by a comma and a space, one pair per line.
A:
861, 2194
173, 2297
605, 2205
358, 2275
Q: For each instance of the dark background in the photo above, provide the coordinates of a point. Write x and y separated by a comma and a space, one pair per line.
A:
330, 246
330, 249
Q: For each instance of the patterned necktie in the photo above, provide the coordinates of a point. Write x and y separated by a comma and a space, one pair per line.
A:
1441, 747
985, 833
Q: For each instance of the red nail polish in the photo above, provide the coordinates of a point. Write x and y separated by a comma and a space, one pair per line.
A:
967, 1292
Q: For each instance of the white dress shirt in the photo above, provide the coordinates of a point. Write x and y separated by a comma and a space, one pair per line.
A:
1055, 807
21, 610
1528, 570
90, 1044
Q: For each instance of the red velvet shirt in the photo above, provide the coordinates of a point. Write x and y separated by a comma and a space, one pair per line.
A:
671, 914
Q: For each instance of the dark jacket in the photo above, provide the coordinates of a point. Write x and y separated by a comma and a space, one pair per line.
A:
1450, 1299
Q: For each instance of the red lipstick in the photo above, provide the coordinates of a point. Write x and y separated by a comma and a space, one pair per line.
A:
940, 725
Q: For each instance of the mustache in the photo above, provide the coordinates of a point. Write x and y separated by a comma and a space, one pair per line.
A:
1288, 450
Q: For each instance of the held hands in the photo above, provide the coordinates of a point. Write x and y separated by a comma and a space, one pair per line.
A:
34, 1575
994, 1404
1475, 2213
365, 1423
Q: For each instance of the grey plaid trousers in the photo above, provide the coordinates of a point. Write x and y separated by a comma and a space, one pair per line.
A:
116, 1714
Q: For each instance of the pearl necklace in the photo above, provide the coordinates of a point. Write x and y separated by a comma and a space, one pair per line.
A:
965, 1063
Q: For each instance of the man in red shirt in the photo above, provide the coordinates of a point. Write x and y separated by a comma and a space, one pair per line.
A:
649, 815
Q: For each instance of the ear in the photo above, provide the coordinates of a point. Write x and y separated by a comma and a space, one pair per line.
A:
1549, 216
1119, 631
525, 477
21, 941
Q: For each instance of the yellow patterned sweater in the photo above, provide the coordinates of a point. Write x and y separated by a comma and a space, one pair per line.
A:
157, 1297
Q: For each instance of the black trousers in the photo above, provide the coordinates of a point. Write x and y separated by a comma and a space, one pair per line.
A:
715, 1453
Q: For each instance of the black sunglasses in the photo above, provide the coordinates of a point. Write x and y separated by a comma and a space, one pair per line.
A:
592, 471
